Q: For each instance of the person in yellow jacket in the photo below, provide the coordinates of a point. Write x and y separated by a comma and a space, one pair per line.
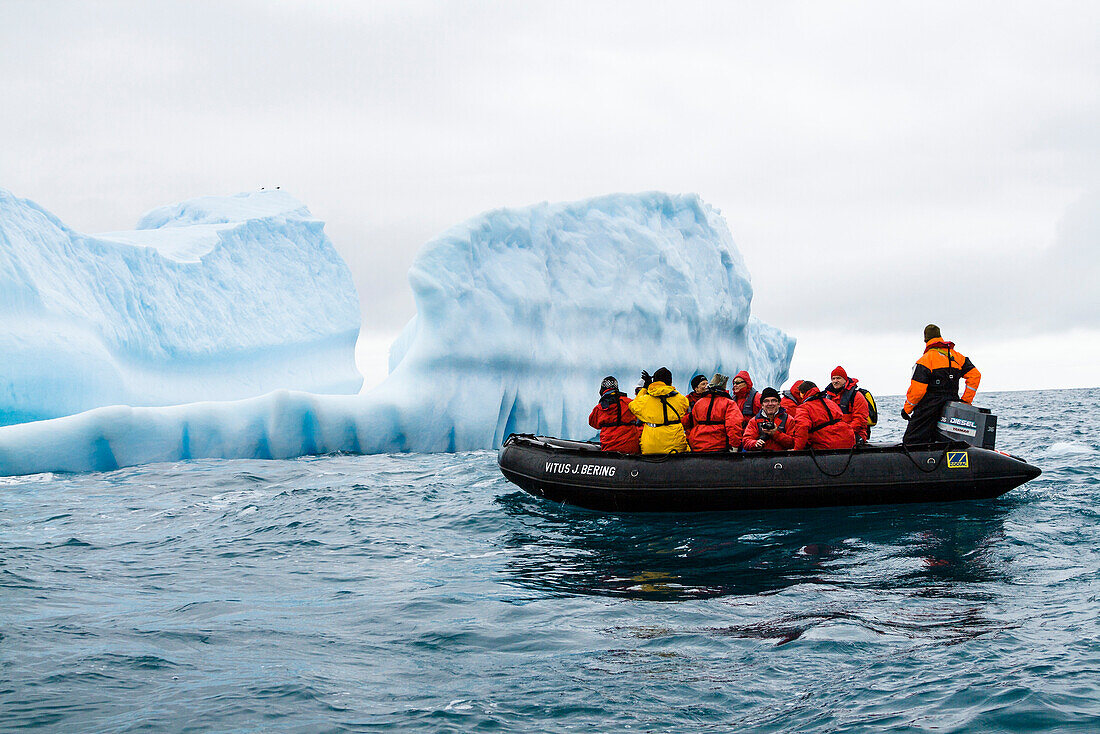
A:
661, 407
935, 384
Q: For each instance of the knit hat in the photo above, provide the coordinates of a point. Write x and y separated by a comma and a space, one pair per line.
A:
769, 392
609, 383
838, 371
932, 332
696, 380
663, 375
718, 382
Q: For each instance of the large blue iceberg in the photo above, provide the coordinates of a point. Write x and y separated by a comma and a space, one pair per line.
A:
217, 298
520, 313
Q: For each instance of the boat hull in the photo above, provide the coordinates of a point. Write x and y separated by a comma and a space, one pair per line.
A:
578, 473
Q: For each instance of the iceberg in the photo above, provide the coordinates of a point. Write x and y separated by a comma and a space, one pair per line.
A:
217, 298
519, 315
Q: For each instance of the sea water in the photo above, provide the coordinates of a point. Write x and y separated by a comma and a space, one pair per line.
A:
426, 593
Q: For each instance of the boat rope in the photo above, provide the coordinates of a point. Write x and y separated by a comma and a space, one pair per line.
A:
851, 453
935, 464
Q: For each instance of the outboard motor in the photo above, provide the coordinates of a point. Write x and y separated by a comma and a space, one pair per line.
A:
965, 422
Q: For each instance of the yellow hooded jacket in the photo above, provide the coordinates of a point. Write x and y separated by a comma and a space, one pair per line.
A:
663, 433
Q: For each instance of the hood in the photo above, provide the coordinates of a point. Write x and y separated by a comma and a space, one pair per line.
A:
744, 389
610, 397
659, 388
938, 344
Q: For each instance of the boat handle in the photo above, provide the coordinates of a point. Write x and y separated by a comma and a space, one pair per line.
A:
931, 460
777, 466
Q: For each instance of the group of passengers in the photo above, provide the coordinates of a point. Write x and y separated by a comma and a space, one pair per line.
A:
661, 420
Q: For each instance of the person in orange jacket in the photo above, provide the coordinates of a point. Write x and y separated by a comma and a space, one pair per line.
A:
842, 390
619, 429
820, 425
773, 428
789, 399
714, 423
747, 398
935, 384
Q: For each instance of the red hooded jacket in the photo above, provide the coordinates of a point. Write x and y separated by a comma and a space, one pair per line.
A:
858, 411
788, 399
821, 424
714, 423
741, 395
619, 429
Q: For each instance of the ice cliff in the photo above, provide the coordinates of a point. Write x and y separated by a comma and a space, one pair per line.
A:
217, 298
520, 313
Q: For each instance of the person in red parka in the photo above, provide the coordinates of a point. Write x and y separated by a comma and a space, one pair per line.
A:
842, 390
747, 399
714, 423
772, 429
699, 387
821, 425
789, 400
619, 429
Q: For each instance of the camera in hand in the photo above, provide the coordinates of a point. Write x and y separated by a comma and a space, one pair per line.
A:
768, 425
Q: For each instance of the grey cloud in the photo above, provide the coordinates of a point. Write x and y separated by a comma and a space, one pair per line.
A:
882, 136
1050, 287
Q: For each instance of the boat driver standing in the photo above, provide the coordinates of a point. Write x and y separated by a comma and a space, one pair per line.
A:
935, 384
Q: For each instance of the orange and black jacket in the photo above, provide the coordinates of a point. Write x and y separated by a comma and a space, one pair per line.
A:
938, 372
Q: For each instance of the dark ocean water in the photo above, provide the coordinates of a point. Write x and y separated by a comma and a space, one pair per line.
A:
425, 593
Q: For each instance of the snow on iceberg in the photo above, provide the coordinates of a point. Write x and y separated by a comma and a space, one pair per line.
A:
216, 298
520, 313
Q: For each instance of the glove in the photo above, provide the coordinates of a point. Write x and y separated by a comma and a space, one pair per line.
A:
904, 414
646, 378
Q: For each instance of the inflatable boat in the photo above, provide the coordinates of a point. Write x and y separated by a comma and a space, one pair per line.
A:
578, 473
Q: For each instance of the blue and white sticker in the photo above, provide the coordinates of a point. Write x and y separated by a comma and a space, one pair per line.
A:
958, 460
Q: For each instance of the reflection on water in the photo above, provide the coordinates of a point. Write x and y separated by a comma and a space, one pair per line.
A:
563, 550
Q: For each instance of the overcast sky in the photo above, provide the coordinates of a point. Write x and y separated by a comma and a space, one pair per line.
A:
880, 165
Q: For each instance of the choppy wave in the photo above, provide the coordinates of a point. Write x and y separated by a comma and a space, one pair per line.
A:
413, 592
1068, 448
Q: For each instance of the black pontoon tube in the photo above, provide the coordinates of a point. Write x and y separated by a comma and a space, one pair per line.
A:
578, 473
